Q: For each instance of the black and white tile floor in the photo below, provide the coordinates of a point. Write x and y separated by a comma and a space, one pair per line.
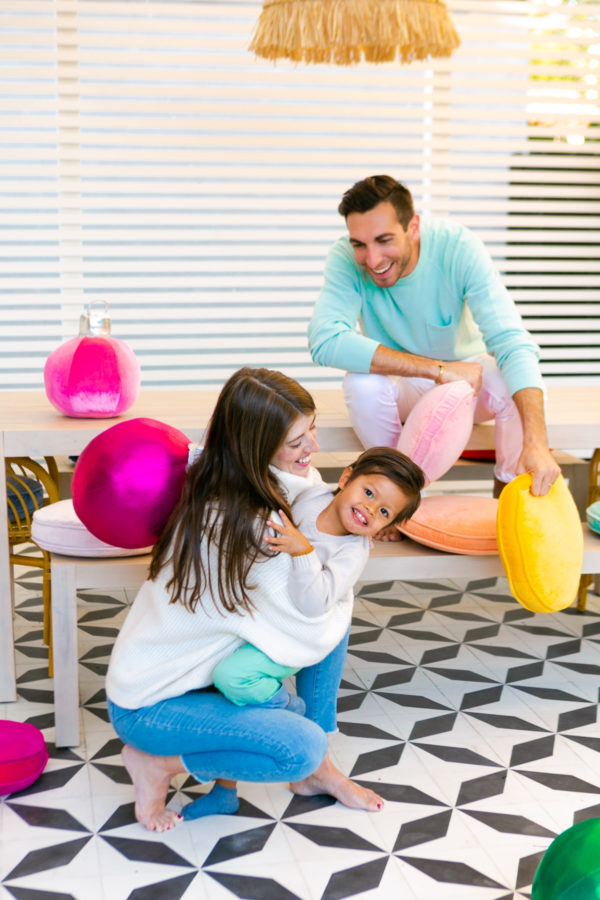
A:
474, 719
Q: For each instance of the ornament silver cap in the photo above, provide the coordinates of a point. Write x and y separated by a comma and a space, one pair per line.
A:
94, 322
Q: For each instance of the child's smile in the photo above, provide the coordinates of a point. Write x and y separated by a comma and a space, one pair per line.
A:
365, 505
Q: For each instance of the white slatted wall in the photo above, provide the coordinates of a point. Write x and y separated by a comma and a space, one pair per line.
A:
147, 158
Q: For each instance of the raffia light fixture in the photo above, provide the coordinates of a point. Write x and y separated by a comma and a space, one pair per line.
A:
346, 31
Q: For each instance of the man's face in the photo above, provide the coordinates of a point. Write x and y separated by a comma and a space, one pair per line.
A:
381, 245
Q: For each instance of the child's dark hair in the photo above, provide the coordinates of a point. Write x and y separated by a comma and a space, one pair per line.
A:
401, 470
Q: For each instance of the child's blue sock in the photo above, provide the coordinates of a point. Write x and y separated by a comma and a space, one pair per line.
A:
284, 700
219, 801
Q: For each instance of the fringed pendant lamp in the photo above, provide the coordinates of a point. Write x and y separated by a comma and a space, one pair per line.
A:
346, 31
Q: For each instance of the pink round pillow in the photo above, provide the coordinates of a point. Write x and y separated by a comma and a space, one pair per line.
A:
128, 479
92, 377
23, 755
438, 428
455, 523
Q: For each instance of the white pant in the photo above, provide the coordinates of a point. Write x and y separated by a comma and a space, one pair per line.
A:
379, 406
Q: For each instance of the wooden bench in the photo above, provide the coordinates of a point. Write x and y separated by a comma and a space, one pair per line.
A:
405, 560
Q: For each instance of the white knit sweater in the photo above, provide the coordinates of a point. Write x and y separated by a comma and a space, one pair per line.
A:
327, 576
164, 651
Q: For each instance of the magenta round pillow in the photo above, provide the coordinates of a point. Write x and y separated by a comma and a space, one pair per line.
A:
92, 377
438, 428
23, 755
128, 479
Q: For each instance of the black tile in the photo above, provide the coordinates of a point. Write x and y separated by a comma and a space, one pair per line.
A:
566, 648
420, 831
398, 676
480, 698
170, 889
328, 836
45, 817
460, 675
481, 788
434, 725
401, 793
240, 844
521, 673
577, 718
548, 693
480, 634
47, 858
444, 870
414, 701
145, 851
510, 824
559, 782
299, 805
357, 880
249, 888
378, 657
377, 759
461, 755
527, 869
358, 729
507, 722
528, 751
440, 653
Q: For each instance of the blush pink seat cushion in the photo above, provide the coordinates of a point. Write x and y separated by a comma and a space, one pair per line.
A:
58, 529
438, 428
23, 755
455, 523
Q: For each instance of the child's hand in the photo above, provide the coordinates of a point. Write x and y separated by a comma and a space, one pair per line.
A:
288, 539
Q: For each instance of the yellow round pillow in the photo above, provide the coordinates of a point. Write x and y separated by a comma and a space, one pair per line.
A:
540, 541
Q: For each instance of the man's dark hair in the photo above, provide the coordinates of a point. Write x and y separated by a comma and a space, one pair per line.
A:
368, 193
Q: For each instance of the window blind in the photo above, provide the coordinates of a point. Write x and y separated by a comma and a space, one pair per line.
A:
149, 160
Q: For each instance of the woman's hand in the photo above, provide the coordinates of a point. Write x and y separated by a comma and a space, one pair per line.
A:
288, 539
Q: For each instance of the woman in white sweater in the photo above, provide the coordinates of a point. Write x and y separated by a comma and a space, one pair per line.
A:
215, 584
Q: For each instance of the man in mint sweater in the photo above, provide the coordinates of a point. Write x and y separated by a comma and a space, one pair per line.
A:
431, 310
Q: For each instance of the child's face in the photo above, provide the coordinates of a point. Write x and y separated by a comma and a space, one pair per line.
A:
367, 504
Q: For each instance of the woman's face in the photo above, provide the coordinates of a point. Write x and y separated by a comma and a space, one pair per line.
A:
298, 445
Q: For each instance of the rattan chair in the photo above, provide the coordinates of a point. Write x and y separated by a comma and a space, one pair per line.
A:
31, 485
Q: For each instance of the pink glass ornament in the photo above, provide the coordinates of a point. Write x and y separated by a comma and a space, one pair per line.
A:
93, 375
128, 479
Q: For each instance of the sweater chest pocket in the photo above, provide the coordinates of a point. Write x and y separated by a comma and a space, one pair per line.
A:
440, 339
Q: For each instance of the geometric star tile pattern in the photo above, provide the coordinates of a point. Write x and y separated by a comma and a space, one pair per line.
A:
476, 720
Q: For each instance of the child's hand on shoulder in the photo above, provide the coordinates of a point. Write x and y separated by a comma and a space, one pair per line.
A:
287, 538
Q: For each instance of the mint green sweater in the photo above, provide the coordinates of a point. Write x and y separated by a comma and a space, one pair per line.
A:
451, 306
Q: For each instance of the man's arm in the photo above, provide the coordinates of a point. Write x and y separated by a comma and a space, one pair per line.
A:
394, 362
535, 456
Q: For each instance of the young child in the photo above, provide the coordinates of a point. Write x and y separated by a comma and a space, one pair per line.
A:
329, 550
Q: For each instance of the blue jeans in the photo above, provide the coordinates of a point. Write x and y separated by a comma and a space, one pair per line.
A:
318, 686
216, 739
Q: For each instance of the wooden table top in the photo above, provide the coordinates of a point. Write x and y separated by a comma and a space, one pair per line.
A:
31, 425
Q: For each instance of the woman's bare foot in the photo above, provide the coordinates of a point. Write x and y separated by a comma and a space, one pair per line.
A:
329, 780
151, 776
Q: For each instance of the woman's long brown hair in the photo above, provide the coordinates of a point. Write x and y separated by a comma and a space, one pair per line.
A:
229, 491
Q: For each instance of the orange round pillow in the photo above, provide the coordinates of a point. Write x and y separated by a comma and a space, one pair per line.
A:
457, 523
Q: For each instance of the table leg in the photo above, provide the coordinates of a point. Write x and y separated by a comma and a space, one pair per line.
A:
8, 685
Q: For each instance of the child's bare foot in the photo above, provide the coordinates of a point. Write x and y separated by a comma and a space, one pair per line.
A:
151, 776
329, 780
